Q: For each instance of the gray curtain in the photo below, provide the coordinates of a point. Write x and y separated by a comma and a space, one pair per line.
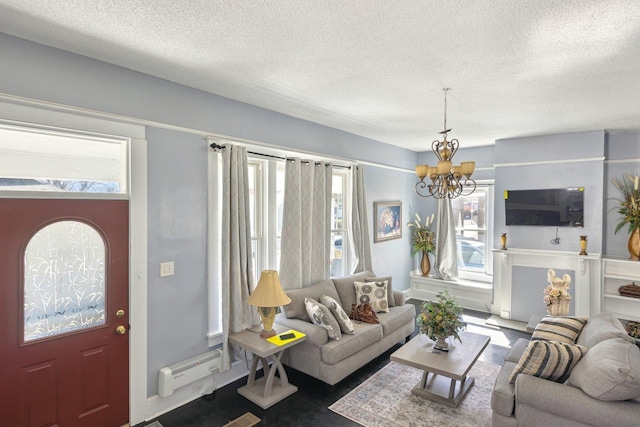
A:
359, 223
306, 223
446, 263
237, 263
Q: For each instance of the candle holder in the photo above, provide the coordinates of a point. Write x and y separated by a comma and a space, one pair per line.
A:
503, 239
583, 245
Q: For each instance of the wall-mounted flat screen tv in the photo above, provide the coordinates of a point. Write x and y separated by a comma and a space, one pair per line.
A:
558, 207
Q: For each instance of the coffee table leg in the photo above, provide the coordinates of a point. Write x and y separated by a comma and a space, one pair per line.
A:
423, 381
452, 388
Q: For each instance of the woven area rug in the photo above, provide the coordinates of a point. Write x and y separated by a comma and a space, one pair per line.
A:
385, 399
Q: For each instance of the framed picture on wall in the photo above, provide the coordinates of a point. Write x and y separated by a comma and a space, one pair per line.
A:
387, 221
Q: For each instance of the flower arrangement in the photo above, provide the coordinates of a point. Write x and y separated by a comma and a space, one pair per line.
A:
424, 240
442, 318
629, 207
554, 295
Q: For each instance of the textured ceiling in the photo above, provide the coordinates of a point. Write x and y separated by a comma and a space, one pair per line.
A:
374, 67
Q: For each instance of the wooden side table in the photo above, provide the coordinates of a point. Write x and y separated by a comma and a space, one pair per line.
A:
268, 390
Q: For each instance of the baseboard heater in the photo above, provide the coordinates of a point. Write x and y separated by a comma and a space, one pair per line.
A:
190, 370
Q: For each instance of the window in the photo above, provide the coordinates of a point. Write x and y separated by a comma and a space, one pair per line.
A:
266, 200
48, 160
266, 197
338, 258
473, 216
266, 189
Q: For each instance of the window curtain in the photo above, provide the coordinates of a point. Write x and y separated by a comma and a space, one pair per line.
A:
237, 266
306, 223
446, 263
359, 223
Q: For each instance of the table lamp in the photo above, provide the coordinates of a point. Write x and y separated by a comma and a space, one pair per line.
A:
268, 296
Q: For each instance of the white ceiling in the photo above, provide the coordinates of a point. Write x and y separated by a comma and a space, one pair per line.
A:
374, 67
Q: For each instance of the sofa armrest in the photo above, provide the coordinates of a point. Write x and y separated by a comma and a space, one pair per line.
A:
567, 402
398, 297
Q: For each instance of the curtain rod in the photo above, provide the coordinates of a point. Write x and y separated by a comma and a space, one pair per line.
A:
222, 147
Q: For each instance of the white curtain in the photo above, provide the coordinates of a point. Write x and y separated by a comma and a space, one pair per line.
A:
306, 223
359, 223
237, 264
446, 264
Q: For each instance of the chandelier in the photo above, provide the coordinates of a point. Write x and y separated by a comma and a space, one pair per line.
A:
445, 180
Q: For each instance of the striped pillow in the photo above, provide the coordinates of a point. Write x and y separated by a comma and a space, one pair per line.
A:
551, 360
556, 328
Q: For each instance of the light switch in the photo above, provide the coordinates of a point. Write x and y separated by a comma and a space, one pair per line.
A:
166, 269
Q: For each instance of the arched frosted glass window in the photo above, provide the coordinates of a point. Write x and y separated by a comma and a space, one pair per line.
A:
64, 280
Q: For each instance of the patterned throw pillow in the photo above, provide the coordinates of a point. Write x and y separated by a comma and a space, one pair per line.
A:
375, 293
390, 299
321, 316
563, 329
346, 325
551, 360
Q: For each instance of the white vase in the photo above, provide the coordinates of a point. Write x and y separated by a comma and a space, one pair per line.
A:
560, 308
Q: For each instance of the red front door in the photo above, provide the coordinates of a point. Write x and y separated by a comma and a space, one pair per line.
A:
64, 270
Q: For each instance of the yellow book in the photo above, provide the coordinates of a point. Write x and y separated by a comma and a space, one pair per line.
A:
279, 341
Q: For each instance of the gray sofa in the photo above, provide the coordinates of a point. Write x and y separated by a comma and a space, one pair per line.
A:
533, 401
333, 360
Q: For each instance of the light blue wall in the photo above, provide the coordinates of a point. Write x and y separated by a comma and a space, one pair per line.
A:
177, 176
391, 257
623, 156
551, 161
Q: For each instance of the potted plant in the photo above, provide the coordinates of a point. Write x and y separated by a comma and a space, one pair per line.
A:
441, 319
629, 209
424, 240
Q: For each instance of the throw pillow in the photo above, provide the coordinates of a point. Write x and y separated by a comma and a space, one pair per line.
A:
602, 327
374, 293
609, 371
390, 298
559, 328
346, 325
321, 316
551, 360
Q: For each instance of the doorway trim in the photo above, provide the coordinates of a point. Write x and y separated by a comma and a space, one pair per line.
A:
78, 119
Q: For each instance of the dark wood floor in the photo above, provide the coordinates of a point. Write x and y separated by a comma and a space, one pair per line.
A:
309, 405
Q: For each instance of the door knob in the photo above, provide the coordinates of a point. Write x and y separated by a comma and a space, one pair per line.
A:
121, 330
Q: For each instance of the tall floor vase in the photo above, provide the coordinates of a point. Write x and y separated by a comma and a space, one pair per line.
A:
634, 245
425, 264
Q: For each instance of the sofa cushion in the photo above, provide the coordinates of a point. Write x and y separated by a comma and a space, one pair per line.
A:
551, 360
366, 335
609, 371
296, 308
602, 327
502, 398
344, 288
374, 293
390, 299
559, 328
346, 325
321, 316
396, 318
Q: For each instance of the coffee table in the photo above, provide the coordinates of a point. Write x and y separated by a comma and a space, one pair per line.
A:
448, 381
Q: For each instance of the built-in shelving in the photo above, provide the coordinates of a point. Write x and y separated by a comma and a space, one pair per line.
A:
618, 272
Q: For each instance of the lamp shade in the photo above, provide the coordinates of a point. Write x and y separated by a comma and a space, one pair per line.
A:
268, 293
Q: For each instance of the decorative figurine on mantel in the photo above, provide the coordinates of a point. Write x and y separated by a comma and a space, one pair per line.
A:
556, 294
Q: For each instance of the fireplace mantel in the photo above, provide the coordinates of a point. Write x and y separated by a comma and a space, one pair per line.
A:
586, 270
